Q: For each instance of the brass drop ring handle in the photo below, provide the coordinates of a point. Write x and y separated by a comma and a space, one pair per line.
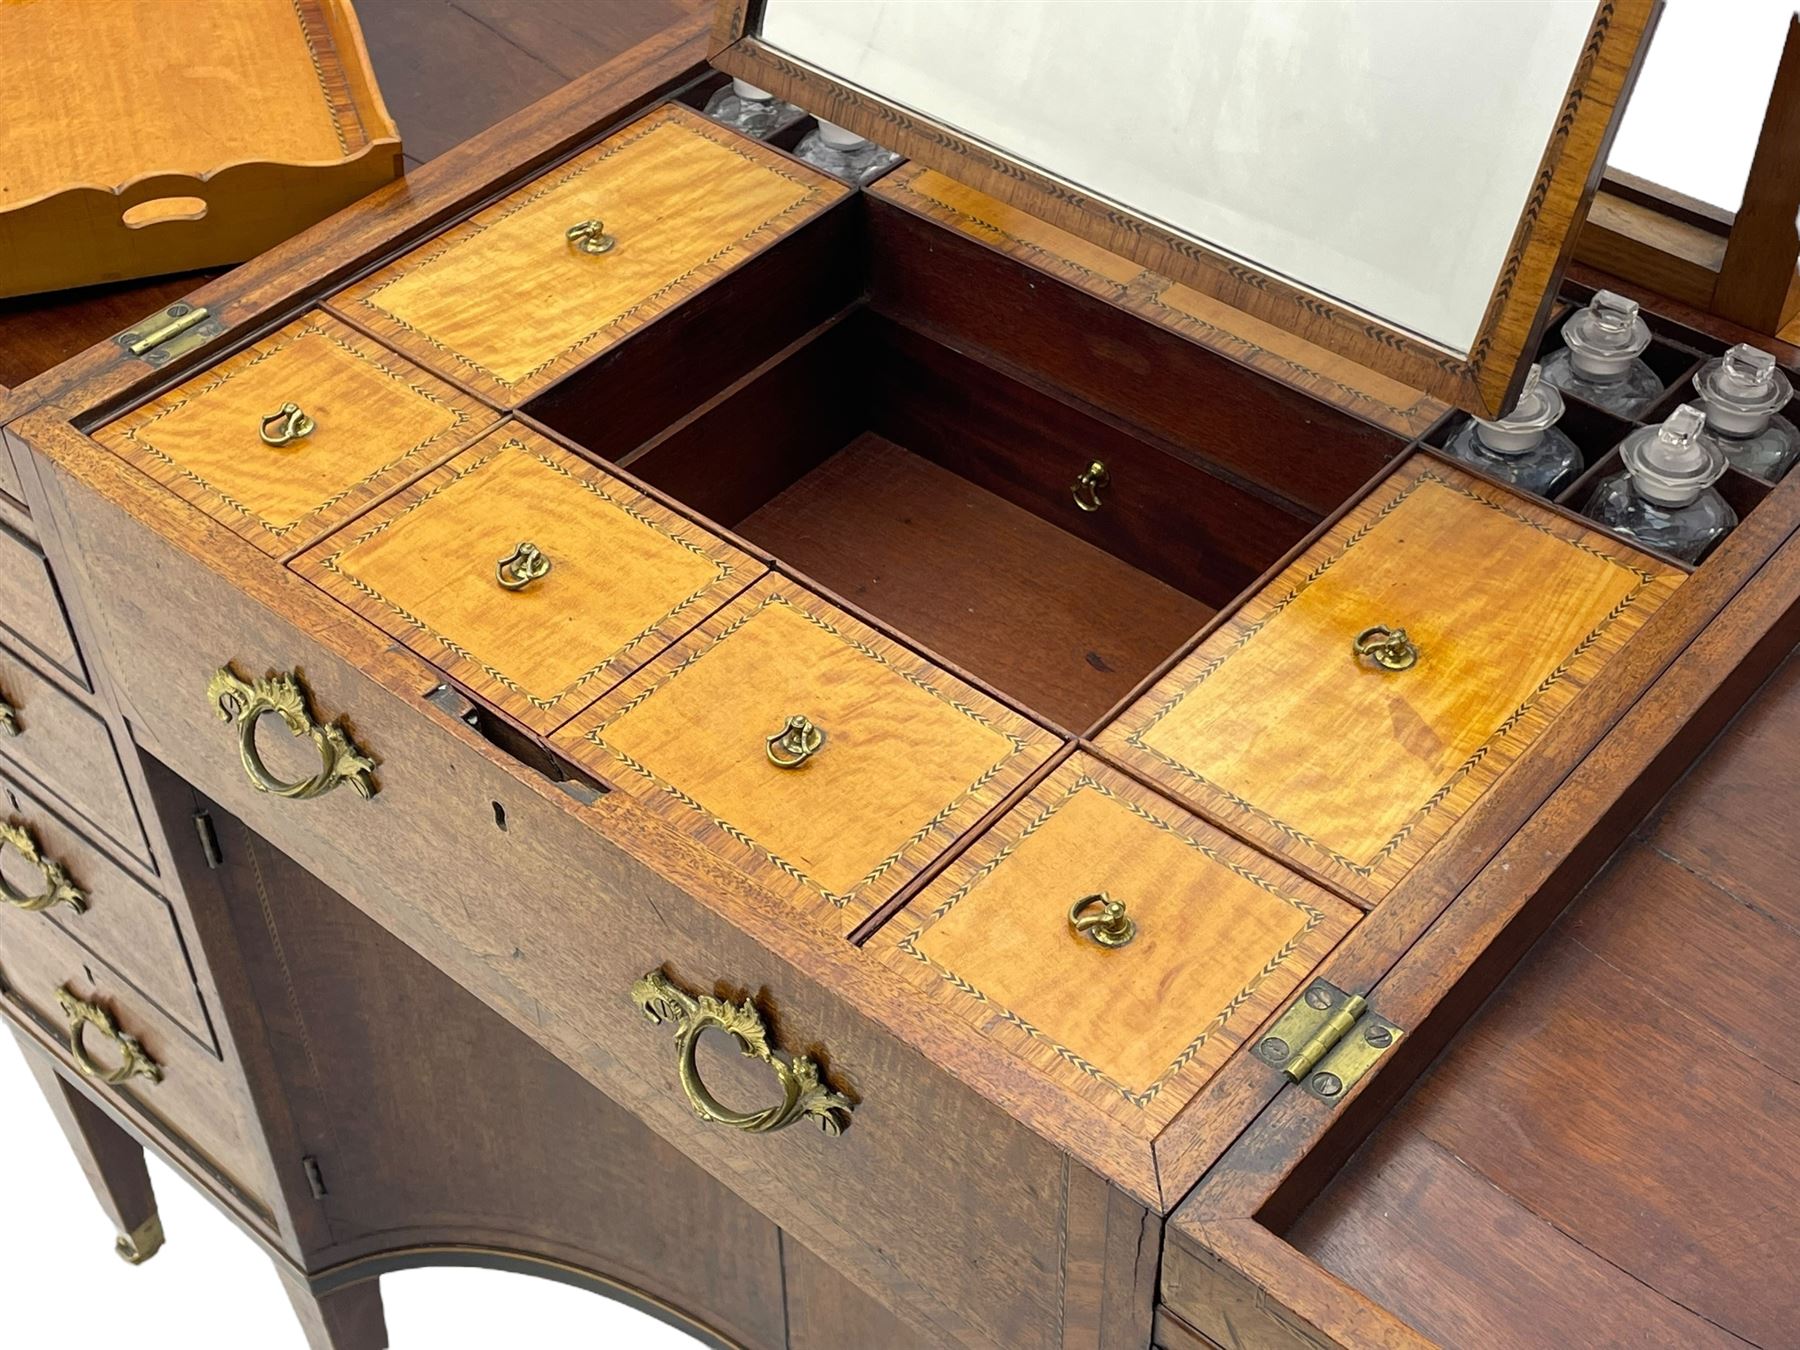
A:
590, 236
59, 887
1102, 918
1086, 487
245, 702
134, 1062
1388, 648
524, 565
804, 1095
798, 741
9, 720
286, 425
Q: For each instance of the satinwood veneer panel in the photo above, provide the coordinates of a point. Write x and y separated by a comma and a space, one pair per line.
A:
1224, 936
378, 420
505, 303
1275, 725
627, 575
912, 756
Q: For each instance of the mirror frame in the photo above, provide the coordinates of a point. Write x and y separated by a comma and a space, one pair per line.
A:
1485, 381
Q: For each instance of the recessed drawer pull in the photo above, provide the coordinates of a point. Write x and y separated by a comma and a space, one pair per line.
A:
795, 743
59, 888
286, 425
1086, 488
245, 703
803, 1093
589, 236
524, 565
134, 1062
9, 720
1388, 648
1103, 919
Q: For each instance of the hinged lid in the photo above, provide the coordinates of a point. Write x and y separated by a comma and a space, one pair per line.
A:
1327, 1041
1398, 183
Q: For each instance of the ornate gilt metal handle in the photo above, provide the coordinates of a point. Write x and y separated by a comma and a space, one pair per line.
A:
524, 565
59, 888
286, 425
1103, 919
1086, 488
1388, 648
134, 1061
590, 236
9, 720
804, 1095
798, 741
246, 702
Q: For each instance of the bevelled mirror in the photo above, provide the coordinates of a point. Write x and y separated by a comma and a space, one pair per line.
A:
1396, 180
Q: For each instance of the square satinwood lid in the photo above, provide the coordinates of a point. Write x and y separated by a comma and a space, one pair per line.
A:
1398, 184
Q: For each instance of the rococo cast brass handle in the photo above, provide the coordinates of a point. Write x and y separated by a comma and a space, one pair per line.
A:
286, 425
59, 888
340, 761
1086, 487
134, 1062
1103, 919
9, 720
524, 565
804, 1095
797, 741
590, 236
1388, 648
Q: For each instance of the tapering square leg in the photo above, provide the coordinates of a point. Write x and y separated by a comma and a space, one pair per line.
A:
343, 1319
112, 1159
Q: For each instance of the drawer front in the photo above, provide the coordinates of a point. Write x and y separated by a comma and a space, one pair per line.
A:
126, 925
1135, 1010
68, 748
551, 912
907, 759
364, 420
507, 302
10, 485
622, 576
193, 1100
1276, 725
30, 608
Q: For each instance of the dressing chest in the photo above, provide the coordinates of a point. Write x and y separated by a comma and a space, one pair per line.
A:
1036, 680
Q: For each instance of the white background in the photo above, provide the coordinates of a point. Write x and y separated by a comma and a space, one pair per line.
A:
211, 1288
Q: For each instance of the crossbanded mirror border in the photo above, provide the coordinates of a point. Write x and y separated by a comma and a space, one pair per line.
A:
1483, 380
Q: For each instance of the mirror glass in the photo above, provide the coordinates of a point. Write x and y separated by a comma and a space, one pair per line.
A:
1376, 152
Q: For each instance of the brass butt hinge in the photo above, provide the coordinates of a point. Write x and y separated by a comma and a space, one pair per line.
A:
209, 840
315, 1179
170, 333
1327, 1041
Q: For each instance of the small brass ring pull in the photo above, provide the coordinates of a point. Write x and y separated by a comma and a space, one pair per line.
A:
286, 425
804, 1095
1102, 918
9, 720
245, 702
795, 743
590, 236
1086, 488
134, 1062
524, 565
1388, 648
59, 887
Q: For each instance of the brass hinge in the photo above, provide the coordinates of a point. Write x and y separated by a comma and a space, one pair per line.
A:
1327, 1041
209, 840
170, 333
315, 1179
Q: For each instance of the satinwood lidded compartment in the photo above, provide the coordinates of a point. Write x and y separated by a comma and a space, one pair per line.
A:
901, 758
612, 578
510, 300
363, 420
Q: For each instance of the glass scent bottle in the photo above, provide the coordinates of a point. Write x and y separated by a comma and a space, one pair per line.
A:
755, 112
1601, 361
1665, 498
1743, 393
844, 154
1525, 448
